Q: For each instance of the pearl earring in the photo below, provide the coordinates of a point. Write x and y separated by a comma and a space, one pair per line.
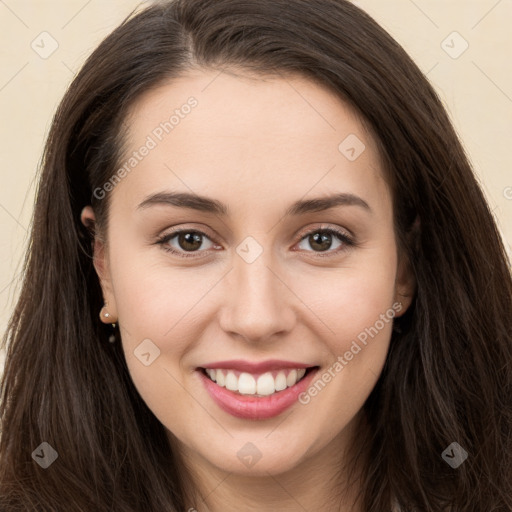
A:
106, 314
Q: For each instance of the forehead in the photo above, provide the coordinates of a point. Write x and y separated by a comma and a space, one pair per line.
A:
213, 132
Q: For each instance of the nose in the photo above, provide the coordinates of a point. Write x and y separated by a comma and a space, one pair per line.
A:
258, 303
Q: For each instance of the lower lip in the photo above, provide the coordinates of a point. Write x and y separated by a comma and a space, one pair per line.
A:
256, 408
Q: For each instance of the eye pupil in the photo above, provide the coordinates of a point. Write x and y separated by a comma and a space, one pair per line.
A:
321, 239
189, 238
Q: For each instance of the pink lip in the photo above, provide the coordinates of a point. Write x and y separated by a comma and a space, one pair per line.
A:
256, 368
251, 407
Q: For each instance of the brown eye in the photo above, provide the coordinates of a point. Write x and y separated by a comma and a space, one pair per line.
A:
184, 241
189, 240
321, 240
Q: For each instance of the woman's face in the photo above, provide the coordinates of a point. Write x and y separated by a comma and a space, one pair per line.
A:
253, 289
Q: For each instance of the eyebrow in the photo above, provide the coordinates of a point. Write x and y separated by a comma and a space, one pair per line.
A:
206, 204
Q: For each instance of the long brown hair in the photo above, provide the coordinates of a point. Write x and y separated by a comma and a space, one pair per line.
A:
448, 374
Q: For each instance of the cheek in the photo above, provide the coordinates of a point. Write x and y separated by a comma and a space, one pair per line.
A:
349, 301
156, 309
157, 301
360, 321
354, 307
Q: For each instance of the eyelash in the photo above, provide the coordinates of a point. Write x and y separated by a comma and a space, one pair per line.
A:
343, 237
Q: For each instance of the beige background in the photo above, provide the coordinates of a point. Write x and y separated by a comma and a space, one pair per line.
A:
476, 87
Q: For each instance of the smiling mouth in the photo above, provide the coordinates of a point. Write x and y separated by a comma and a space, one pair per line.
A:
257, 385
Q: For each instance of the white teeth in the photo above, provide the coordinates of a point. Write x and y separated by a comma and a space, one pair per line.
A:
292, 378
221, 379
247, 384
281, 381
266, 384
231, 382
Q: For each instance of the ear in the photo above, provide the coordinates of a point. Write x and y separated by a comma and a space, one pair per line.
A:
101, 265
405, 283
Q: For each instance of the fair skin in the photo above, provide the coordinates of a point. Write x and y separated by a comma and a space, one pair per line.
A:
257, 145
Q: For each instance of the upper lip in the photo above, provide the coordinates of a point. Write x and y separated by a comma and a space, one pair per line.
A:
261, 367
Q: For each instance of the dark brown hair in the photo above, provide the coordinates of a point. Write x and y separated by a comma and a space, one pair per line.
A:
447, 376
